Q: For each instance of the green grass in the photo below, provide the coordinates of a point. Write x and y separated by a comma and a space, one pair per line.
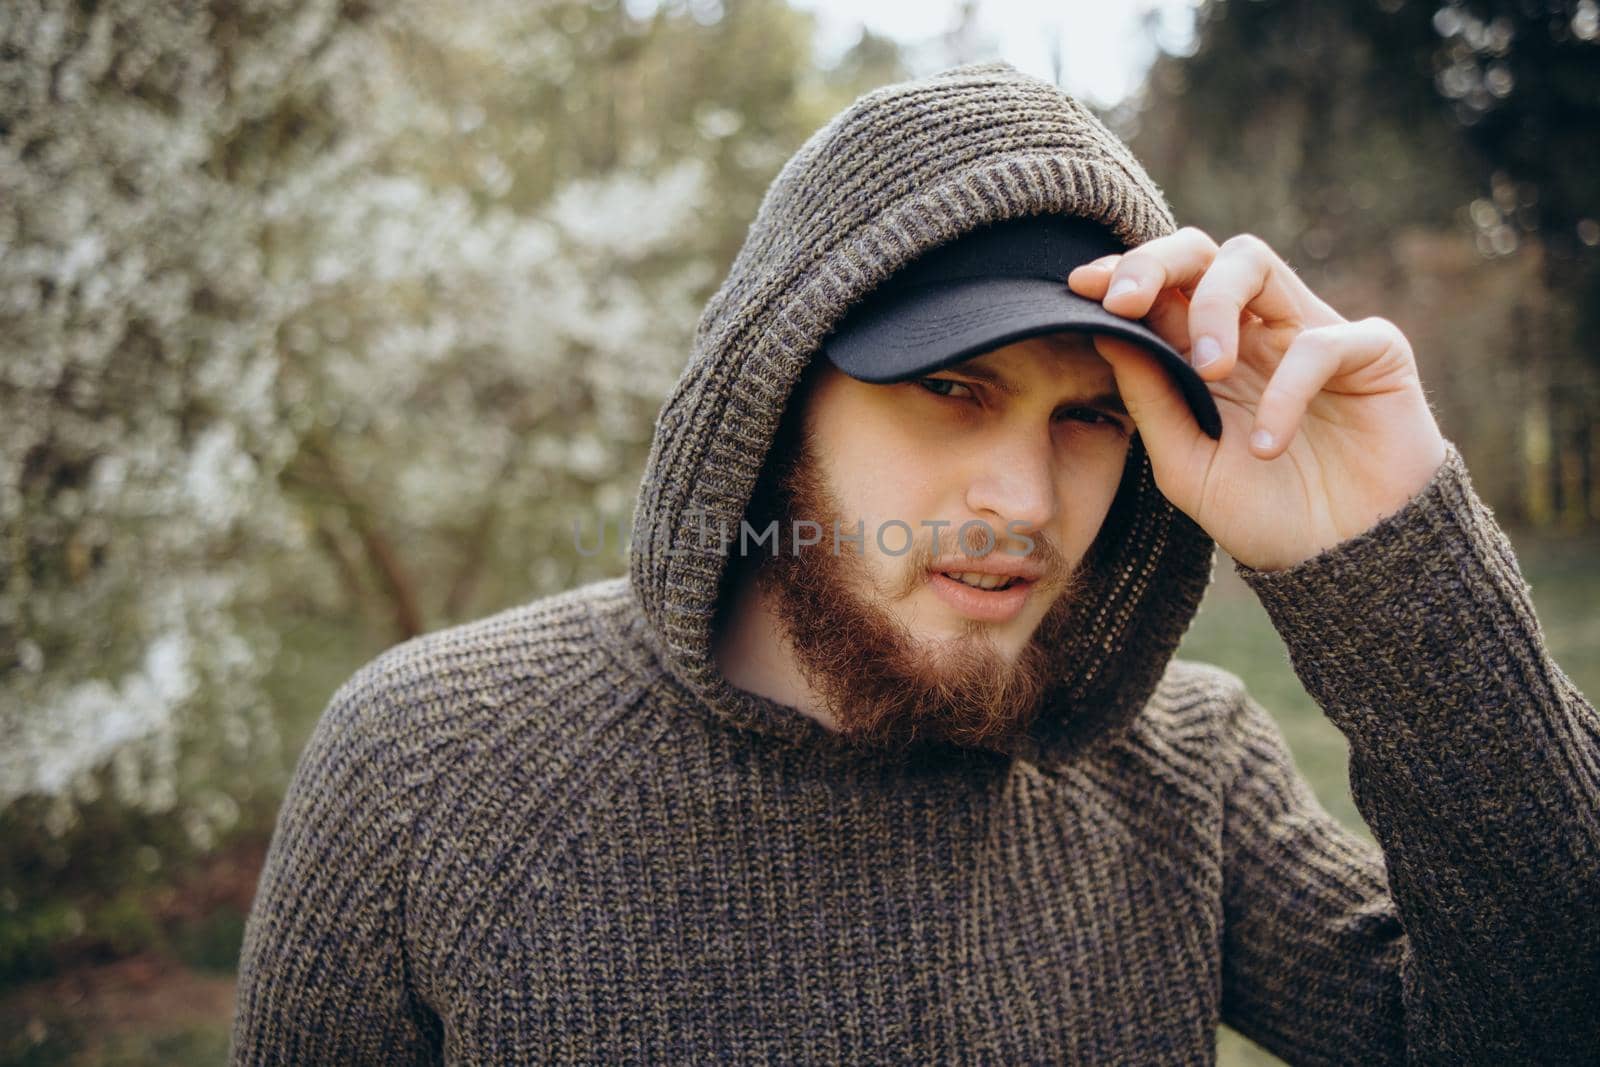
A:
190, 1046
1232, 631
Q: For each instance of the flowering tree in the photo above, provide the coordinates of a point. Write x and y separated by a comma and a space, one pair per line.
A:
141, 440
244, 350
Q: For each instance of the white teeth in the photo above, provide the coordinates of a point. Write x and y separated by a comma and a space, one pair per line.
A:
980, 581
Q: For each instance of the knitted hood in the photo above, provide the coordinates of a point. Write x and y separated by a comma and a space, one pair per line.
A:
904, 169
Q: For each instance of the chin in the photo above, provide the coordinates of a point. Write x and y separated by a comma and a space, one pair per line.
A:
939, 626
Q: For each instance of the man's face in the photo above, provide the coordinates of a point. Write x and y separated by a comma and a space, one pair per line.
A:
1028, 441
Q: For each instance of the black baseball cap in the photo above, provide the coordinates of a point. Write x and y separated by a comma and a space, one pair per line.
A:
993, 286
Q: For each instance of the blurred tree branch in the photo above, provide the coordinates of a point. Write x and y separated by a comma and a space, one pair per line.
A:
318, 465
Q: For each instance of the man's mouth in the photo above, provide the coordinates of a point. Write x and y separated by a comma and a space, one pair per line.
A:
987, 582
993, 598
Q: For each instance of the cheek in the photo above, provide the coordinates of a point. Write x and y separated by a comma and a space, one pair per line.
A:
879, 488
1088, 493
895, 512
882, 483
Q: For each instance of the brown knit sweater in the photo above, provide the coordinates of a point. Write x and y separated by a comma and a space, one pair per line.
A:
560, 835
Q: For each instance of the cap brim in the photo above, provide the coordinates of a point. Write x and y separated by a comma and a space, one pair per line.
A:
935, 326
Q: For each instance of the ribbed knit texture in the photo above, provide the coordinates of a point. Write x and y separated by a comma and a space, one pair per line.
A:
559, 835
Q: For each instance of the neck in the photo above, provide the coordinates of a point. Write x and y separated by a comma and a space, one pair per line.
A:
752, 654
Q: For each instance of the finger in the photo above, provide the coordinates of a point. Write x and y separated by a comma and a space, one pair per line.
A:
1316, 357
1245, 274
1091, 279
1169, 316
1151, 397
1175, 261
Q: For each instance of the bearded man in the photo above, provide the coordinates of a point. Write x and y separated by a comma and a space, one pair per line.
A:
911, 775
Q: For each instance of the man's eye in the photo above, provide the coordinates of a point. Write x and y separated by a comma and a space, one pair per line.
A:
943, 386
1089, 415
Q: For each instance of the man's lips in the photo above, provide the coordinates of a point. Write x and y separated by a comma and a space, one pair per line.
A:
1014, 567
983, 605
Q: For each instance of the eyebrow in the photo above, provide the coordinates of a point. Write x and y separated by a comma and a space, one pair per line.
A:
1105, 401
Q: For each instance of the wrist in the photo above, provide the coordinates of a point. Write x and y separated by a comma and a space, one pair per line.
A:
1388, 493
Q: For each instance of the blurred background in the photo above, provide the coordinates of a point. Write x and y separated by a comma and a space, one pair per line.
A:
320, 320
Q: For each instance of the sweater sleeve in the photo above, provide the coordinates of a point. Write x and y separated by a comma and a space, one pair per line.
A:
323, 976
1475, 935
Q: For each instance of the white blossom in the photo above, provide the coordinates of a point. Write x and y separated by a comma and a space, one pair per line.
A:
197, 310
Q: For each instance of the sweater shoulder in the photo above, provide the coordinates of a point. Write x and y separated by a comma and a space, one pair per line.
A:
1194, 700
1204, 718
1180, 738
522, 649
1190, 729
507, 675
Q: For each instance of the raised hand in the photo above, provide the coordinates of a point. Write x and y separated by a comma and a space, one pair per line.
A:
1325, 426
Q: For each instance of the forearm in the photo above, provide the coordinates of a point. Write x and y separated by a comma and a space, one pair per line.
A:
1474, 760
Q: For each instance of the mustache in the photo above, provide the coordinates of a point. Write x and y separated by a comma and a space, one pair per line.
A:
942, 543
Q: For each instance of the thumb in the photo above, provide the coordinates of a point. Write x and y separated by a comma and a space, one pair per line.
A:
1151, 397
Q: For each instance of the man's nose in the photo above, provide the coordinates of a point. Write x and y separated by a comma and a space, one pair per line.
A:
1015, 483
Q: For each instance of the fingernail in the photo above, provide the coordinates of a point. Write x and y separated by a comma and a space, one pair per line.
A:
1206, 351
1126, 285
1261, 439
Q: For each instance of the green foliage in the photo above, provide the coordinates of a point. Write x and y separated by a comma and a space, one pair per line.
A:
85, 891
212, 942
140, 445
1313, 125
66, 1046
1524, 79
29, 938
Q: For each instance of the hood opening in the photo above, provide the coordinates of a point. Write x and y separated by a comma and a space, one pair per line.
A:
901, 171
